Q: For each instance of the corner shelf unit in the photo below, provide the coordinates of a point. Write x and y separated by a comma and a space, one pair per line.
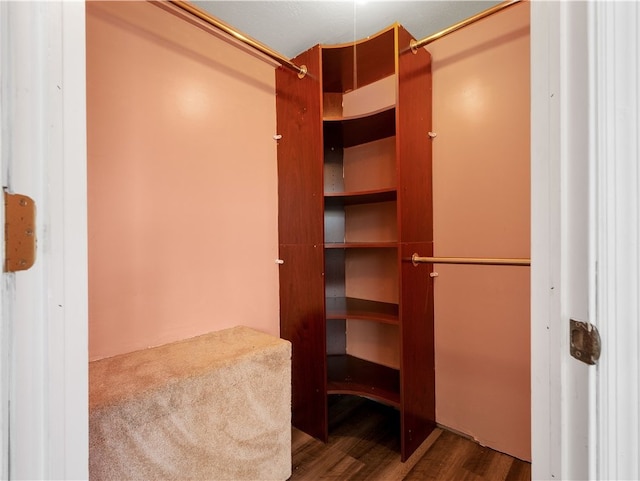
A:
354, 171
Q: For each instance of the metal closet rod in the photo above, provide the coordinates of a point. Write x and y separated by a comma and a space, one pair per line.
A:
416, 44
251, 42
486, 261
301, 70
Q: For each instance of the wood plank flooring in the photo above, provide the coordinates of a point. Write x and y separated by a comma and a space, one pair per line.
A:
364, 444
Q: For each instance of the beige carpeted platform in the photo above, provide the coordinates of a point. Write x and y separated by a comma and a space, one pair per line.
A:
214, 407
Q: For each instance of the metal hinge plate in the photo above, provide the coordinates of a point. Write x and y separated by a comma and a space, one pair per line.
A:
19, 232
584, 341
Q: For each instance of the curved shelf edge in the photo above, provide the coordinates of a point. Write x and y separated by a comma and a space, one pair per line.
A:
380, 46
384, 398
360, 130
354, 118
361, 197
360, 245
350, 375
362, 309
350, 45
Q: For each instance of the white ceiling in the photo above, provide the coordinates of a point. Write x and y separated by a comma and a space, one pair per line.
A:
291, 27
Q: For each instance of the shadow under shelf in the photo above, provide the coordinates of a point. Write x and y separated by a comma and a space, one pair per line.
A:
351, 375
363, 309
361, 245
360, 197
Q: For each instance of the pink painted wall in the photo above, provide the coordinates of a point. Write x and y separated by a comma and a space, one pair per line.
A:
182, 183
481, 209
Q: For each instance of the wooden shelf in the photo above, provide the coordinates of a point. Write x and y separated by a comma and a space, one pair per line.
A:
360, 245
352, 308
373, 58
364, 197
351, 375
360, 130
382, 112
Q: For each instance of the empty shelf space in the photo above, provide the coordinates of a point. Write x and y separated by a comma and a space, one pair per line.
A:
356, 64
352, 308
361, 129
362, 197
360, 245
351, 375
384, 110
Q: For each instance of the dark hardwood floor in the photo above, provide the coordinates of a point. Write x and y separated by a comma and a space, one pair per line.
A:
364, 444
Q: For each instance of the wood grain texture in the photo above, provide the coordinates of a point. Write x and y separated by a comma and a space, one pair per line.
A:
350, 308
415, 227
364, 444
302, 323
300, 230
373, 61
453, 457
301, 198
414, 150
351, 375
300, 152
417, 363
368, 128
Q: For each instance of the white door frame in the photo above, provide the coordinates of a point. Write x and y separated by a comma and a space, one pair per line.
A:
562, 403
585, 109
44, 310
555, 422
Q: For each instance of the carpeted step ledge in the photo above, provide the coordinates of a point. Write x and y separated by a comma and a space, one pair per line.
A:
214, 407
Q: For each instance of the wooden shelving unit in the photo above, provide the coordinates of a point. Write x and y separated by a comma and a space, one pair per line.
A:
354, 166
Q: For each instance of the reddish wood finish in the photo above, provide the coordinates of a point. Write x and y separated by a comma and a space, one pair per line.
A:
300, 229
351, 308
300, 150
413, 144
417, 360
364, 129
415, 217
360, 245
375, 60
307, 143
365, 197
302, 322
350, 375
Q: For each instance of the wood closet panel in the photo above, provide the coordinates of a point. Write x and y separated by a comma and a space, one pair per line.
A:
300, 231
415, 221
355, 194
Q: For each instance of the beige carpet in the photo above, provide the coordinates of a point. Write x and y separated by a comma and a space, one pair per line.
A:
215, 407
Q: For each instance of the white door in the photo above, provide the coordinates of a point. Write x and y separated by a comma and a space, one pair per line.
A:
615, 150
585, 241
43, 333
560, 262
